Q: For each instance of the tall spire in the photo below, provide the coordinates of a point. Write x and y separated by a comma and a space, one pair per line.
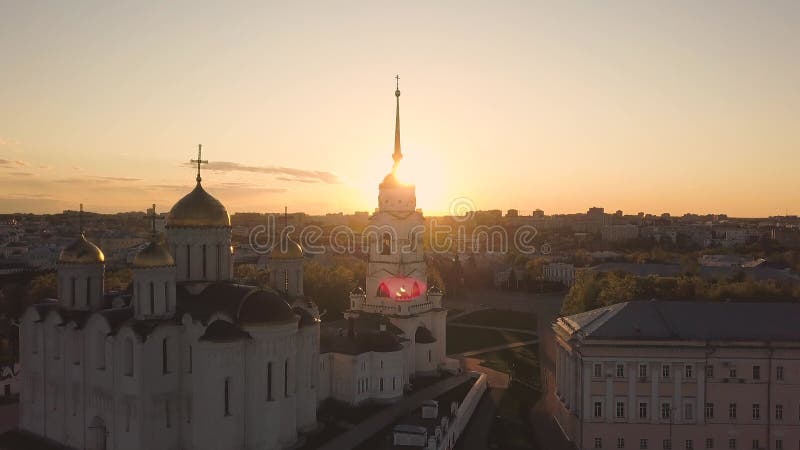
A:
397, 155
80, 220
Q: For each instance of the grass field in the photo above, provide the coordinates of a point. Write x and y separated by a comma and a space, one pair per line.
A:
500, 318
461, 339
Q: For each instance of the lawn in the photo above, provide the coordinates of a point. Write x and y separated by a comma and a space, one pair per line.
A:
500, 318
462, 339
522, 363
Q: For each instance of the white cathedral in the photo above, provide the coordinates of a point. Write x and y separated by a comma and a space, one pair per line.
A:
187, 358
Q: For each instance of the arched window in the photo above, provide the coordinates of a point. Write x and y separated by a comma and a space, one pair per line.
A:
205, 260
269, 381
166, 295
128, 356
88, 289
227, 396
188, 262
429, 356
72, 300
152, 298
386, 244
286, 378
381, 384
164, 356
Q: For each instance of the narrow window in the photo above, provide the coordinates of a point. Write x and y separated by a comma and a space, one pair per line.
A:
709, 442
381, 384
269, 381
598, 370
732, 411
152, 298
709, 411
73, 292
620, 370
598, 442
166, 296
620, 410
756, 372
620, 442
732, 443
689, 371
204, 260
598, 409
190, 359
709, 371
286, 378
188, 262
164, 357
779, 373
429, 356
227, 396
88, 290
756, 411
643, 370
643, 410
643, 444
167, 413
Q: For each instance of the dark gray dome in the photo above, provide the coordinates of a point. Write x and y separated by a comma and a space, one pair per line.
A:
424, 336
263, 307
221, 331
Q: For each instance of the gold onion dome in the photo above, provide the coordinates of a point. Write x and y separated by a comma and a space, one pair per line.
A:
198, 209
81, 251
154, 255
287, 249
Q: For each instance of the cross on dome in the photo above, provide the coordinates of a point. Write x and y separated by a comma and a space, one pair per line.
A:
199, 161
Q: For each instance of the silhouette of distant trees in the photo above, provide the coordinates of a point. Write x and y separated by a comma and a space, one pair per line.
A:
593, 290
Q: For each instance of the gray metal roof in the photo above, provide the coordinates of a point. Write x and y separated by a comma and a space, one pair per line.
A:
691, 320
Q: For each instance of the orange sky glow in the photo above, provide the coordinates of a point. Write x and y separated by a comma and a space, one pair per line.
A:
640, 106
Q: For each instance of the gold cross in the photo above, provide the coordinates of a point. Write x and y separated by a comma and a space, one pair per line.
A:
199, 160
151, 215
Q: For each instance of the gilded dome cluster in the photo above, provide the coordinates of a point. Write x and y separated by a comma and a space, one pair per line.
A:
287, 249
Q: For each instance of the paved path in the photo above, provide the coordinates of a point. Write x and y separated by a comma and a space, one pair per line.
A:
497, 348
488, 327
366, 429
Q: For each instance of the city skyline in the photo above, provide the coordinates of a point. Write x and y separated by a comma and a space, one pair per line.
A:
558, 107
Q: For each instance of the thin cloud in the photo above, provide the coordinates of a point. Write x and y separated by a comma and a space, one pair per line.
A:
12, 164
95, 180
22, 174
124, 179
301, 180
289, 173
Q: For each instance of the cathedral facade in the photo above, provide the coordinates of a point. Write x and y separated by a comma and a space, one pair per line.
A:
187, 358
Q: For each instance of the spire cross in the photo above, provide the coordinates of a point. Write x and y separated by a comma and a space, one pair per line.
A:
199, 160
80, 219
397, 80
398, 154
151, 216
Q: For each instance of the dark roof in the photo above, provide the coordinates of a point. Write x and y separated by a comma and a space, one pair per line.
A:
216, 297
222, 331
690, 320
306, 318
424, 336
338, 341
262, 306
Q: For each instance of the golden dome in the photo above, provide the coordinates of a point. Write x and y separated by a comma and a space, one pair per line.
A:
198, 209
287, 249
154, 255
81, 251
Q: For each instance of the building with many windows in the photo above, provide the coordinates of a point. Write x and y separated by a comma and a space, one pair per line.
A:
680, 375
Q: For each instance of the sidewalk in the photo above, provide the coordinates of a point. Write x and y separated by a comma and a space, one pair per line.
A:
496, 348
487, 327
366, 429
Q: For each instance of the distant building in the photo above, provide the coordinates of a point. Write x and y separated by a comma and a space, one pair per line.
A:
538, 214
512, 213
559, 272
679, 375
619, 233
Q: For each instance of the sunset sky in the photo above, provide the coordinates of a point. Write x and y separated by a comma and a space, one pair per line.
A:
680, 106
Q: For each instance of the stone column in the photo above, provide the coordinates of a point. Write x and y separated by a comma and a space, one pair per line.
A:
632, 380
